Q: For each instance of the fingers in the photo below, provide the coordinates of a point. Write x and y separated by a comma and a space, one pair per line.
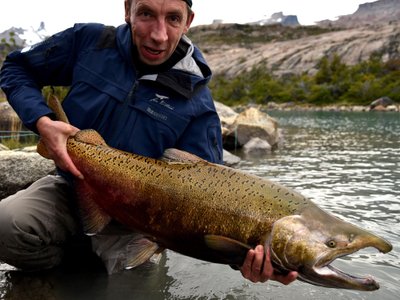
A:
285, 279
257, 267
66, 160
254, 268
248, 262
54, 135
67, 164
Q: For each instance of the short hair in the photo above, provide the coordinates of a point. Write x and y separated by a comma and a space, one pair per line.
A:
189, 9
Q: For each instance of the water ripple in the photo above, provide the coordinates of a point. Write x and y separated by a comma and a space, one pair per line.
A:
349, 164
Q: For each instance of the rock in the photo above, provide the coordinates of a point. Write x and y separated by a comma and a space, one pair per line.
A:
225, 111
257, 146
392, 108
3, 148
230, 159
227, 116
359, 108
253, 123
379, 108
238, 129
18, 169
381, 104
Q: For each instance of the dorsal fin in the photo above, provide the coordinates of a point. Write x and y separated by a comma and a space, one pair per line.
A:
179, 156
90, 136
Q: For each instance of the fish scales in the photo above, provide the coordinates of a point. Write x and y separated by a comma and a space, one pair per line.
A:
221, 194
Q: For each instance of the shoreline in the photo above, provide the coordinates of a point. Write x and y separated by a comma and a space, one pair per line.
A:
314, 108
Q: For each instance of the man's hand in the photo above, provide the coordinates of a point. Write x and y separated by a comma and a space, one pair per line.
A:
257, 267
54, 135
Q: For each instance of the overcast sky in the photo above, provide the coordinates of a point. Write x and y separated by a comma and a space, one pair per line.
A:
60, 14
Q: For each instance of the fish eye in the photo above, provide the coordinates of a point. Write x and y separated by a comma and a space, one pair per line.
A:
331, 244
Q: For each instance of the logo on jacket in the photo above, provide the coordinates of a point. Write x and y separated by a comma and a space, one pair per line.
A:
162, 100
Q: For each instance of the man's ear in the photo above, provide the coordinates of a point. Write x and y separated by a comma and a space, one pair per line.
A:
127, 11
189, 22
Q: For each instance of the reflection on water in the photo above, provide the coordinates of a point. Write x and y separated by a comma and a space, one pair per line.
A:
348, 163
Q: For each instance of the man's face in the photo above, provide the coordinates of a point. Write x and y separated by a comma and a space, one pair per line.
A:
157, 26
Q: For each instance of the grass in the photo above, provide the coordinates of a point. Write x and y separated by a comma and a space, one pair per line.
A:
14, 143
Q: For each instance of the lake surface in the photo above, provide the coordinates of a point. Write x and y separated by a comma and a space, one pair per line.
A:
348, 163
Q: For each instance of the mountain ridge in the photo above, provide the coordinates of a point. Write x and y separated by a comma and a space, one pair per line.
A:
231, 49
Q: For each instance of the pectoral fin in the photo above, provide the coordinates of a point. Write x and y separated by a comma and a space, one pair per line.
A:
94, 219
233, 251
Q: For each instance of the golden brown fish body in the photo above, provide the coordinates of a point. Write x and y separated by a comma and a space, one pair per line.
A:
211, 212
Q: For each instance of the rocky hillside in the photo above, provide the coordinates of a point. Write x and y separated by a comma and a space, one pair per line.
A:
378, 12
232, 48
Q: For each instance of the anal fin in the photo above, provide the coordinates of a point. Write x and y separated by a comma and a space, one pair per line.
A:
141, 250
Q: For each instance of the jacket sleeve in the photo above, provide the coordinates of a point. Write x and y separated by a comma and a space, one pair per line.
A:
203, 135
25, 72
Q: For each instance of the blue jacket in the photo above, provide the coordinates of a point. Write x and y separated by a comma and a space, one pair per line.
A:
143, 115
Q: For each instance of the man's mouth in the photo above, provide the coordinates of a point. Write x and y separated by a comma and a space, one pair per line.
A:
153, 51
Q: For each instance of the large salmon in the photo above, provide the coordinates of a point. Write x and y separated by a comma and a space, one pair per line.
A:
212, 212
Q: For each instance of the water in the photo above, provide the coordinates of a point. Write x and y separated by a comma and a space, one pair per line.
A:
348, 163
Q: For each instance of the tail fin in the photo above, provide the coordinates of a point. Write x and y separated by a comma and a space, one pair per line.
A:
55, 105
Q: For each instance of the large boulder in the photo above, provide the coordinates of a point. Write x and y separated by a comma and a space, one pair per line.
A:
20, 168
383, 104
251, 123
254, 123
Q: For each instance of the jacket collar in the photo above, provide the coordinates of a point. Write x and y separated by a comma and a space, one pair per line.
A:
189, 73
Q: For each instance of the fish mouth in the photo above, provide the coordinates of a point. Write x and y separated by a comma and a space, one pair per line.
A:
323, 273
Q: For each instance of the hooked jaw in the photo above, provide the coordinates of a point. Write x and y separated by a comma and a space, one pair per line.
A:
297, 246
329, 276
335, 278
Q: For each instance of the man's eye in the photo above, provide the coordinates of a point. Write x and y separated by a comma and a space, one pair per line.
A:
175, 19
144, 14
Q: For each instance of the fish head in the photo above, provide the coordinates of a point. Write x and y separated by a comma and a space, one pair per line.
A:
310, 242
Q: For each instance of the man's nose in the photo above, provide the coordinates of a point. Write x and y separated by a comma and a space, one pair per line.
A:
159, 32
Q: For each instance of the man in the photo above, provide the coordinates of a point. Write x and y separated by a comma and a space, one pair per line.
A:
142, 86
